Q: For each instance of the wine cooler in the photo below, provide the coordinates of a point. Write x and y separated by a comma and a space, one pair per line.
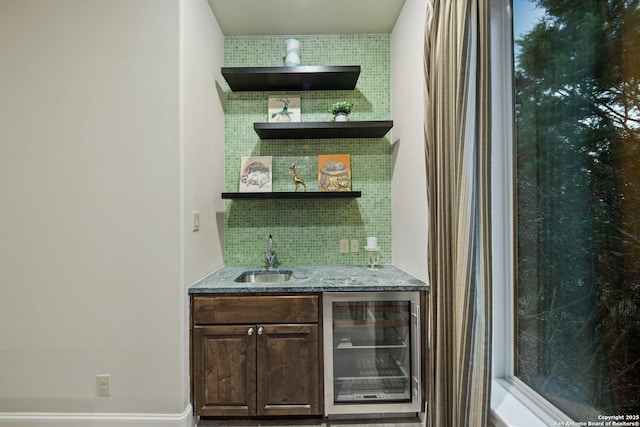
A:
371, 352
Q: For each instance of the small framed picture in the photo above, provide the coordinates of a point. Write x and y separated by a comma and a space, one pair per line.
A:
284, 108
334, 172
255, 174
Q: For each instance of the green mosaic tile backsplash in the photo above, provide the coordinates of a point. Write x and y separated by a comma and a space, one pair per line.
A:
307, 232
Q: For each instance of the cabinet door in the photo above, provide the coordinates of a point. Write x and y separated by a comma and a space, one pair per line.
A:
224, 368
288, 371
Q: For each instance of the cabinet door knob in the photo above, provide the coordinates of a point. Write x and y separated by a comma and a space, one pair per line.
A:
250, 331
260, 330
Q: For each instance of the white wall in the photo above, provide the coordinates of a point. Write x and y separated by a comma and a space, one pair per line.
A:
202, 118
96, 171
408, 181
202, 53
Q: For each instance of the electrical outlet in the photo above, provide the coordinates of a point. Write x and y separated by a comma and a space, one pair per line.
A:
103, 385
354, 245
344, 246
196, 221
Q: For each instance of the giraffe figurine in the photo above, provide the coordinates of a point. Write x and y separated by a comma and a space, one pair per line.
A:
297, 180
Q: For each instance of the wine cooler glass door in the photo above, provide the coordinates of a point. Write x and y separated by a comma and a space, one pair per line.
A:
371, 350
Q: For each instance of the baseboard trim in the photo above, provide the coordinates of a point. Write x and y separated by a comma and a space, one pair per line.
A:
76, 419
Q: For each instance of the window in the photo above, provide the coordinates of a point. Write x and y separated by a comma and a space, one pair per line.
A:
577, 201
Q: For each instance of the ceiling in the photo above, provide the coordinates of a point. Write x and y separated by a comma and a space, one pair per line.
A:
300, 17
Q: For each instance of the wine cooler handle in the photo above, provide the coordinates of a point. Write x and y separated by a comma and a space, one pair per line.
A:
260, 330
250, 331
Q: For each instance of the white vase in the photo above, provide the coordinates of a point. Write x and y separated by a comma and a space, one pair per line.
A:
341, 117
293, 53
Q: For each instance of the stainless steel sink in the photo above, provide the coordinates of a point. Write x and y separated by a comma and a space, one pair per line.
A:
264, 276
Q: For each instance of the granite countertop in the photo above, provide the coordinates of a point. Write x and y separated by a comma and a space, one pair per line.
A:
323, 278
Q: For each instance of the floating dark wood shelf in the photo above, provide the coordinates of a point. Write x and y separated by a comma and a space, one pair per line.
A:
294, 195
292, 78
320, 130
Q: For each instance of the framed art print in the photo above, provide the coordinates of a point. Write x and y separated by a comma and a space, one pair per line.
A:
255, 174
284, 108
334, 172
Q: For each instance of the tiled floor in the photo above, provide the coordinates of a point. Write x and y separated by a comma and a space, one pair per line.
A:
399, 422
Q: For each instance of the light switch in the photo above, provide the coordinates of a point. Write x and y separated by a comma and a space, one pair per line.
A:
354, 245
196, 221
344, 246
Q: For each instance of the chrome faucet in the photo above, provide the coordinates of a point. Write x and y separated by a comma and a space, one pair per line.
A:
270, 254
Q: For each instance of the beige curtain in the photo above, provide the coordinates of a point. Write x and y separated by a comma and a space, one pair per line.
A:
457, 138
